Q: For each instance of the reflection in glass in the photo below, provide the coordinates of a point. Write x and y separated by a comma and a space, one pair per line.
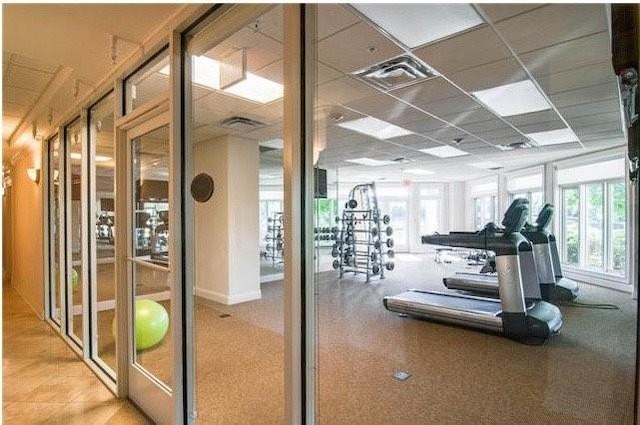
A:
55, 176
618, 233
101, 134
75, 197
151, 290
146, 84
595, 225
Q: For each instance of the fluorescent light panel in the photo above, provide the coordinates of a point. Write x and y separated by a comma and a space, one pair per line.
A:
554, 137
444, 151
98, 158
375, 128
370, 162
518, 98
206, 72
419, 172
418, 24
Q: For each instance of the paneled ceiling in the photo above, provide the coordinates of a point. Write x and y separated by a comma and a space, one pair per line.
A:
563, 49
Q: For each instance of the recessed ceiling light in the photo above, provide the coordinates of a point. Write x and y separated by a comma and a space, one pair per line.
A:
444, 151
485, 165
418, 24
418, 172
370, 162
554, 137
518, 98
375, 128
206, 73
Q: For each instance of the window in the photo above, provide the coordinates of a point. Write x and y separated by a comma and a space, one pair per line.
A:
484, 210
55, 227
536, 202
394, 202
594, 231
150, 81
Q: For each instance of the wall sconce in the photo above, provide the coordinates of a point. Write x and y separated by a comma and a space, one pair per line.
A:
34, 174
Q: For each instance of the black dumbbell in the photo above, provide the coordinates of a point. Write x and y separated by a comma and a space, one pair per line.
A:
336, 264
389, 230
391, 253
386, 219
390, 243
390, 266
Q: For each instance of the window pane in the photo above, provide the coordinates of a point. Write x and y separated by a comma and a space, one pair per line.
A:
429, 216
595, 225
151, 291
55, 176
397, 211
618, 214
571, 209
537, 202
75, 197
101, 133
147, 83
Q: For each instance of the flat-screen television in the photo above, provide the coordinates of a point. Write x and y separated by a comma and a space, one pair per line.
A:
320, 183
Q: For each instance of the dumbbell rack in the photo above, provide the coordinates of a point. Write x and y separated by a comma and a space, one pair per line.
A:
275, 239
360, 228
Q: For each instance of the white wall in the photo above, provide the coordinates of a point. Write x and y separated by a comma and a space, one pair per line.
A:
227, 226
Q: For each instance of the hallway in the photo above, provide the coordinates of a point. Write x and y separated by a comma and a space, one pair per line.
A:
45, 382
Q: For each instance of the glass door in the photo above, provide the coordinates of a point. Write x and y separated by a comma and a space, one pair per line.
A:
55, 227
151, 356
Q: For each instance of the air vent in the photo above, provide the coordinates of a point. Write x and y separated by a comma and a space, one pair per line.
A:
403, 160
515, 145
241, 124
397, 72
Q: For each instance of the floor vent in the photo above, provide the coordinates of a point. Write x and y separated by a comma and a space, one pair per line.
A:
402, 375
396, 73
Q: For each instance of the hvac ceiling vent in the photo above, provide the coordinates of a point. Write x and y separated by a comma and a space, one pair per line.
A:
515, 145
241, 124
403, 160
397, 72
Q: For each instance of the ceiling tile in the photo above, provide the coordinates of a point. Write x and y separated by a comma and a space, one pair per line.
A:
325, 74
424, 125
27, 78
490, 75
451, 106
569, 55
345, 90
552, 24
489, 125
20, 96
32, 63
533, 118
500, 11
427, 92
260, 49
464, 51
593, 108
333, 18
270, 23
586, 76
543, 126
356, 48
492, 135
469, 117
585, 95
593, 120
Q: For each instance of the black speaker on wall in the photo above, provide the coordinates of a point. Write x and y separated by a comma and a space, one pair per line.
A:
320, 183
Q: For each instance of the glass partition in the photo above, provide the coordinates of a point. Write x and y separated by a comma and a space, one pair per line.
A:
147, 83
75, 197
55, 175
101, 136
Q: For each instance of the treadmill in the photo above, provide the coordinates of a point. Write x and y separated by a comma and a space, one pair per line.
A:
509, 315
553, 288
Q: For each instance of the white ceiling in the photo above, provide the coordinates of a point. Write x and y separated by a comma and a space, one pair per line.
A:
565, 48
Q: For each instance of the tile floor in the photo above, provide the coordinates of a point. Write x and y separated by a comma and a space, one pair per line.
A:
44, 382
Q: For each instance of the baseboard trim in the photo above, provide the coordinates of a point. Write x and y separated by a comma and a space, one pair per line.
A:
271, 277
228, 299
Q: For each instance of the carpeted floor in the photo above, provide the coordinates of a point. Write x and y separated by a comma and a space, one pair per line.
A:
583, 375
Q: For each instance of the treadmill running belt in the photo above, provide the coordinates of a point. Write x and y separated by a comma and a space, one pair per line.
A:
451, 301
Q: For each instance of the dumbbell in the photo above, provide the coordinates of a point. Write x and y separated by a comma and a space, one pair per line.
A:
389, 231
386, 219
375, 269
373, 231
336, 264
389, 265
391, 253
351, 204
389, 243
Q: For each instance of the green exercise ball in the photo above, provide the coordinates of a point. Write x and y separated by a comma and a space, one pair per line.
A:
152, 324
75, 279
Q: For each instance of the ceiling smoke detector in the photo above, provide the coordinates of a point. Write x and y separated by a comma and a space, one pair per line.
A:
241, 123
515, 145
457, 141
396, 73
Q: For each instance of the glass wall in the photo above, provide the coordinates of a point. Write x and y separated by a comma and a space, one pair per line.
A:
571, 229
55, 175
484, 210
236, 137
75, 197
101, 137
148, 82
